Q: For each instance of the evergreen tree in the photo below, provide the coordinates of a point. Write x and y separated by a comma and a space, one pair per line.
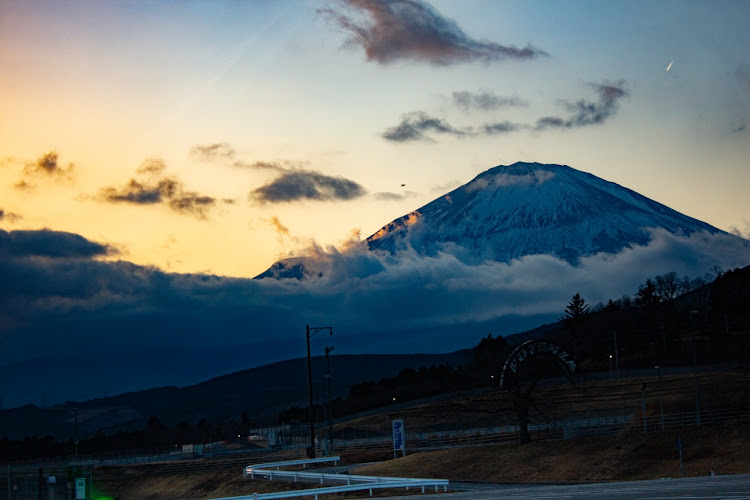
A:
575, 312
611, 305
647, 295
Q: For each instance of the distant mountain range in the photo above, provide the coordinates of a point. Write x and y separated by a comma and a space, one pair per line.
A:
509, 212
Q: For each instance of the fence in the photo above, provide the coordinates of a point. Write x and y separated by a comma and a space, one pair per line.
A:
43, 483
27, 482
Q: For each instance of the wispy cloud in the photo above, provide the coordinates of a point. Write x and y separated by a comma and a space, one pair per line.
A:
500, 128
280, 228
742, 232
159, 189
48, 165
9, 216
415, 126
152, 166
421, 126
391, 30
583, 112
390, 196
260, 165
213, 152
484, 101
296, 185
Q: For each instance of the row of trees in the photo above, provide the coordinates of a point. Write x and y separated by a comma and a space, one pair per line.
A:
658, 324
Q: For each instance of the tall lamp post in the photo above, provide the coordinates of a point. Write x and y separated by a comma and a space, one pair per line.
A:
311, 331
329, 425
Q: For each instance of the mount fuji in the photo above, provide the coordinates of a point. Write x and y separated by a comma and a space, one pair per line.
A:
509, 212
502, 254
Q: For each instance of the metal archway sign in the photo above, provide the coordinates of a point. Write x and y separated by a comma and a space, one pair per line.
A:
532, 348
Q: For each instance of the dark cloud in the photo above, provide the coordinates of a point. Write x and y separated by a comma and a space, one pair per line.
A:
376, 303
583, 113
47, 243
212, 152
484, 101
192, 203
48, 165
414, 125
159, 190
390, 30
142, 193
294, 185
9, 216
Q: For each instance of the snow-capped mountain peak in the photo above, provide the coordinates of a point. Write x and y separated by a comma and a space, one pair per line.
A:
512, 211
530, 208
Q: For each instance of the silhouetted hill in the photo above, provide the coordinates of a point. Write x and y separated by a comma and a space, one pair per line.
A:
259, 392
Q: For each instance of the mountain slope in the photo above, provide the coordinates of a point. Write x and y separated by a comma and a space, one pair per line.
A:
509, 212
530, 208
261, 392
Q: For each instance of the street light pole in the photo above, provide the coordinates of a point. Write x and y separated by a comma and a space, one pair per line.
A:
643, 405
308, 334
610, 366
329, 425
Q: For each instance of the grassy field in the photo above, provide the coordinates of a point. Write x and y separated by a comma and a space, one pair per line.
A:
626, 456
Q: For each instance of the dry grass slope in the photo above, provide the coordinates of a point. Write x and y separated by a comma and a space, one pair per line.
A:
626, 456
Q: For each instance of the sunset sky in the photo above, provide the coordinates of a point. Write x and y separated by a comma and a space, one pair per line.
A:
219, 136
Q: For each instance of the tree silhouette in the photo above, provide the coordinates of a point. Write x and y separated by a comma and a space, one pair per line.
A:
647, 295
573, 319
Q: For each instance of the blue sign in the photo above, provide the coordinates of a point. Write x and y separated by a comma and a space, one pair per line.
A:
398, 435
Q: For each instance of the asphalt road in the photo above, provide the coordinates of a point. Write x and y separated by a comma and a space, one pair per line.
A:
733, 487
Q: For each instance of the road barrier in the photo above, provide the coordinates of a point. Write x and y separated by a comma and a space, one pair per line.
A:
273, 471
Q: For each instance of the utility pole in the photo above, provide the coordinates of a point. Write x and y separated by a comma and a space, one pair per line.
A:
697, 387
643, 404
314, 330
329, 432
617, 359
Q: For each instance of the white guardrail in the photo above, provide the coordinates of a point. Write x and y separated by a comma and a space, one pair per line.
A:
272, 471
